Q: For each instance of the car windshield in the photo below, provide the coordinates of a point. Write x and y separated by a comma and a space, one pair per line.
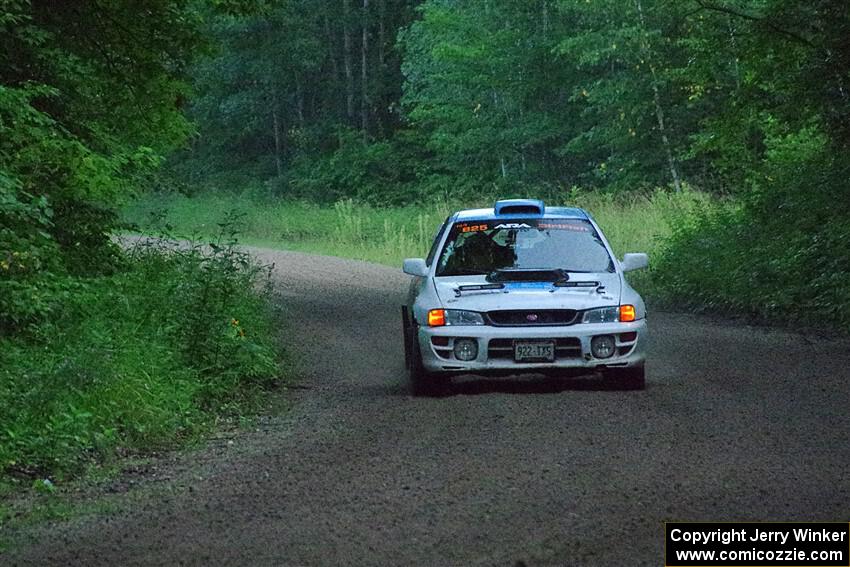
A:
483, 247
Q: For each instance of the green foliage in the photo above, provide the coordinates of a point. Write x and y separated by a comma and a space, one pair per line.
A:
376, 173
781, 251
90, 97
624, 80
28, 260
484, 95
222, 329
473, 90
286, 87
136, 360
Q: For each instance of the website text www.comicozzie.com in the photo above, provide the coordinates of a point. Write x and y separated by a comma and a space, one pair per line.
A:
777, 555
825, 544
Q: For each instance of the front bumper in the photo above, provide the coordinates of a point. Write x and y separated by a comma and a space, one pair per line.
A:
495, 355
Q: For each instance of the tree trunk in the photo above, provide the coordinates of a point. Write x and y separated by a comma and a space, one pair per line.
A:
346, 57
331, 54
545, 20
734, 44
382, 38
299, 102
659, 115
656, 99
277, 137
839, 81
364, 82
379, 81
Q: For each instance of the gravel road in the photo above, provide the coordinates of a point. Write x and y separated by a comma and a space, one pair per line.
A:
737, 423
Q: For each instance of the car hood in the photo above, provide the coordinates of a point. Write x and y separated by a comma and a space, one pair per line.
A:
530, 295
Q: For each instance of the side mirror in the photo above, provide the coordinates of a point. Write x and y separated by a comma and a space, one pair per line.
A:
634, 261
415, 267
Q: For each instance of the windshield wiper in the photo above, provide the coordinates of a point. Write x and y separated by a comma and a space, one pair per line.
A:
477, 287
576, 284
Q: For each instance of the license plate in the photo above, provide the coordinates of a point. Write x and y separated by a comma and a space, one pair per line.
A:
534, 351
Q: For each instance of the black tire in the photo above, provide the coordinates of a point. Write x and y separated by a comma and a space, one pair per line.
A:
422, 382
631, 378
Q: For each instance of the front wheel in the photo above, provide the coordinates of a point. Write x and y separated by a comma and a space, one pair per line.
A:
631, 378
422, 382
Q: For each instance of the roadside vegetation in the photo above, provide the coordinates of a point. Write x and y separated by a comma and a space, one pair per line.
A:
633, 222
137, 360
109, 349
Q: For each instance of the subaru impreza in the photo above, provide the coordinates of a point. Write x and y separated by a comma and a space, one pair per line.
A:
523, 288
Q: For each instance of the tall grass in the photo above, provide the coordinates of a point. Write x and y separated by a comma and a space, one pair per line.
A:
388, 235
704, 253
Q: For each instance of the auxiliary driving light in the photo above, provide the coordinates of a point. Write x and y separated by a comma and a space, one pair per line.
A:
602, 346
466, 349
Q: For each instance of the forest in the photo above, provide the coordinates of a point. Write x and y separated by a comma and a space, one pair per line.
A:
318, 98
389, 103
740, 107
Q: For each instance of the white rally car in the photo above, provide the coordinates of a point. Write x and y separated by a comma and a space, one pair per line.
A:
522, 288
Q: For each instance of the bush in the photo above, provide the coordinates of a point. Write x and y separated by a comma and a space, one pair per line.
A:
137, 359
782, 252
28, 257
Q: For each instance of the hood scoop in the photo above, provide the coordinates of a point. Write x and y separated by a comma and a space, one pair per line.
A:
528, 275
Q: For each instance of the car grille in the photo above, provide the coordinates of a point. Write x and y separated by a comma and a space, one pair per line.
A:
527, 318
564, 348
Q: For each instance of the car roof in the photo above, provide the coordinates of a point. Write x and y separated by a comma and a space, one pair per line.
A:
548, 213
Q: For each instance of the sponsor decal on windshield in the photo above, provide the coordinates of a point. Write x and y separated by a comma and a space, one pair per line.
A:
466, 227
564, 226
519, 225
479, 226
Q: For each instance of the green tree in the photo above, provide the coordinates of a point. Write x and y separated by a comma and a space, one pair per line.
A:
288, 84
484, 91
91, 97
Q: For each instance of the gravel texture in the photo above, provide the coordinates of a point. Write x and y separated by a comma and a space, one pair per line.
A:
737, 423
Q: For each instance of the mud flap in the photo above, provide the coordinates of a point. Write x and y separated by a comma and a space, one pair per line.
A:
405, 333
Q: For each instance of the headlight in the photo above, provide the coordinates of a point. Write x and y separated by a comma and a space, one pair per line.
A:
601, 315
458, 317
616, 314
454, 317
